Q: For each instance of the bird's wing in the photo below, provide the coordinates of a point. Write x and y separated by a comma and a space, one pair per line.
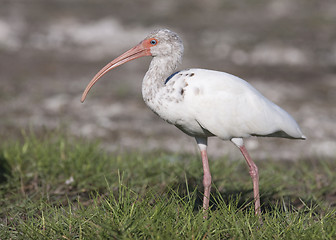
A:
228, 106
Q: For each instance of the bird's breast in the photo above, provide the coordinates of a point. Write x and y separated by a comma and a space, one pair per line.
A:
172, 103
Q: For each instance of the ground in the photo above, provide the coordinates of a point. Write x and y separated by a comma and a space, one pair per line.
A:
49, 51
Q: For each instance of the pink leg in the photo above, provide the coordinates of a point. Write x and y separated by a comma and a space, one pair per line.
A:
206, 180
255, 178
202, 144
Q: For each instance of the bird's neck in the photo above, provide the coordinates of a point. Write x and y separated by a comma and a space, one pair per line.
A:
159, 70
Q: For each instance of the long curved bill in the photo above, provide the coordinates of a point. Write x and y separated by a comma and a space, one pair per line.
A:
138, 51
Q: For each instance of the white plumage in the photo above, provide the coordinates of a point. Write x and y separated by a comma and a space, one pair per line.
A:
204, 103
210, 103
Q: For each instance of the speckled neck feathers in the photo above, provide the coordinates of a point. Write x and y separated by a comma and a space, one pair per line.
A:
167, 55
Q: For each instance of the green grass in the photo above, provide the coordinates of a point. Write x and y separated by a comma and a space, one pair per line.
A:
58, 187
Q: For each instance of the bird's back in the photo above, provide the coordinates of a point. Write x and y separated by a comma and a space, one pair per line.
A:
227, 106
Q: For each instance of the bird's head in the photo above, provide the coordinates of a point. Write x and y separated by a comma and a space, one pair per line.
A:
164, 42
160, 43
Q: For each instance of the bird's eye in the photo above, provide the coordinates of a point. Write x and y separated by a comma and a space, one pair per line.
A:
153, 42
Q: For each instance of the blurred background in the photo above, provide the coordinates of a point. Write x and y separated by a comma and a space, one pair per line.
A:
50, 50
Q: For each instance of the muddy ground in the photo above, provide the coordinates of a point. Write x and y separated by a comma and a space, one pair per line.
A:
49, 51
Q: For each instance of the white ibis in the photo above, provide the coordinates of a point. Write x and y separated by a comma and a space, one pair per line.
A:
204, 103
